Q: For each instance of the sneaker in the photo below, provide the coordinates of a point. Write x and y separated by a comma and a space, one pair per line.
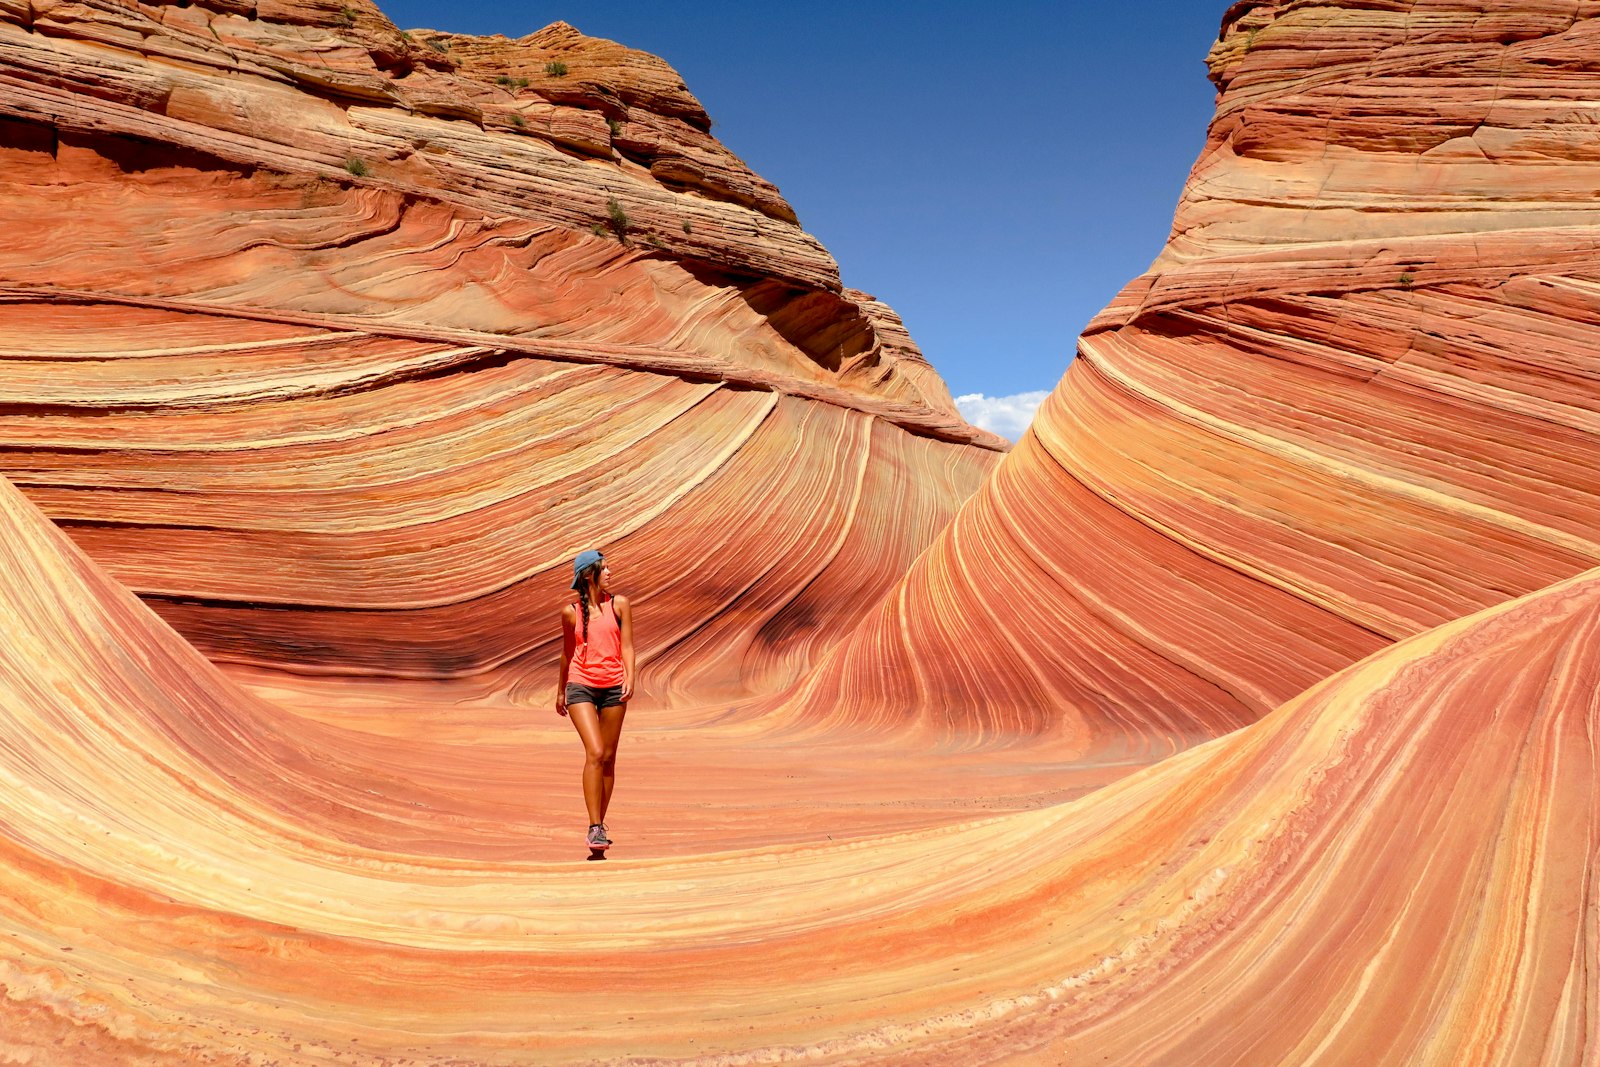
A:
598, 841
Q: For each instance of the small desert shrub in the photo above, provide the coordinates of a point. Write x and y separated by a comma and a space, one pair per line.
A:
1406, 279
614, 126
438, 45
556, 69
686, 227
347, 15
405, 35
522, 83
517, 120
617, 217
506, 80
598, 230
355, 166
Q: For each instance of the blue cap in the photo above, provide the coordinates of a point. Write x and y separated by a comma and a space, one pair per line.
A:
586, 559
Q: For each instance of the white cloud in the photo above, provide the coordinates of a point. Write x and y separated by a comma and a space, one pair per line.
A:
1007, 416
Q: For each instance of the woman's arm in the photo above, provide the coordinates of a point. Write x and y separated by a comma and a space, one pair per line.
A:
569, 641
625, 621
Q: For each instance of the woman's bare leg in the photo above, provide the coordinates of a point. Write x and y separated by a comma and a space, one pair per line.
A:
610, 735
587, 720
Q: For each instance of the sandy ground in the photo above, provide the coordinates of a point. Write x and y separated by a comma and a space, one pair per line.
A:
491, 780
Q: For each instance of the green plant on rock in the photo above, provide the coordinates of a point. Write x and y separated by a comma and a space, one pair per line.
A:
618, 218
438, 45
517, 120
686, 227
556, 69
355, 166
598, 230
347, 16
614, 126
506, 80
1406, 279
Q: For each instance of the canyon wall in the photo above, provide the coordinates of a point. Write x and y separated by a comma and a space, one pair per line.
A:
336, 342
1359, 877
1313, 517
1356, 396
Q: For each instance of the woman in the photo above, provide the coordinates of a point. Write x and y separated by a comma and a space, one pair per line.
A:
596, 681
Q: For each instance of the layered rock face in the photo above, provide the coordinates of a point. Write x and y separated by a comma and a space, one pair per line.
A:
337, 342
1357, 396
1350, 880
1316, 504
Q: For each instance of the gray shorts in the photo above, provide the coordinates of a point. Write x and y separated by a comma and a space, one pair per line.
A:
609, 696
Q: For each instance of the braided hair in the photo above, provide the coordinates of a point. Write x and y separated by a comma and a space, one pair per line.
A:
584, 578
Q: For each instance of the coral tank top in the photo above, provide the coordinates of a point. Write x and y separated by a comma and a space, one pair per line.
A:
597, 662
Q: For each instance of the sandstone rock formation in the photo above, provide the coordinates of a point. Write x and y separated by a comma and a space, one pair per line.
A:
336, 343
1357, 877
1313, 515
1357, 396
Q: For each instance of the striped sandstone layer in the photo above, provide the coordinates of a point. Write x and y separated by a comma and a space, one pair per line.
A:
337, 342
1276, 478
1357, 396
1357, 878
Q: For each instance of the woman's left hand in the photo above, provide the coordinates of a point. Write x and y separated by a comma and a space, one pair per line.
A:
627, 690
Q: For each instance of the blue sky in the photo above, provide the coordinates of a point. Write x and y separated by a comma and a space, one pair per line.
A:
994, 171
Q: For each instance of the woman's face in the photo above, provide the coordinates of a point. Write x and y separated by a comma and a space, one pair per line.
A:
602, 580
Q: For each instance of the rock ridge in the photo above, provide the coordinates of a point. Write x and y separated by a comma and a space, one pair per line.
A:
1356, 396
400, 310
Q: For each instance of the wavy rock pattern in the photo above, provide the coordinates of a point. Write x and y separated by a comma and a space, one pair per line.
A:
1354, 398
1315, 506
339, 377
1353, 878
